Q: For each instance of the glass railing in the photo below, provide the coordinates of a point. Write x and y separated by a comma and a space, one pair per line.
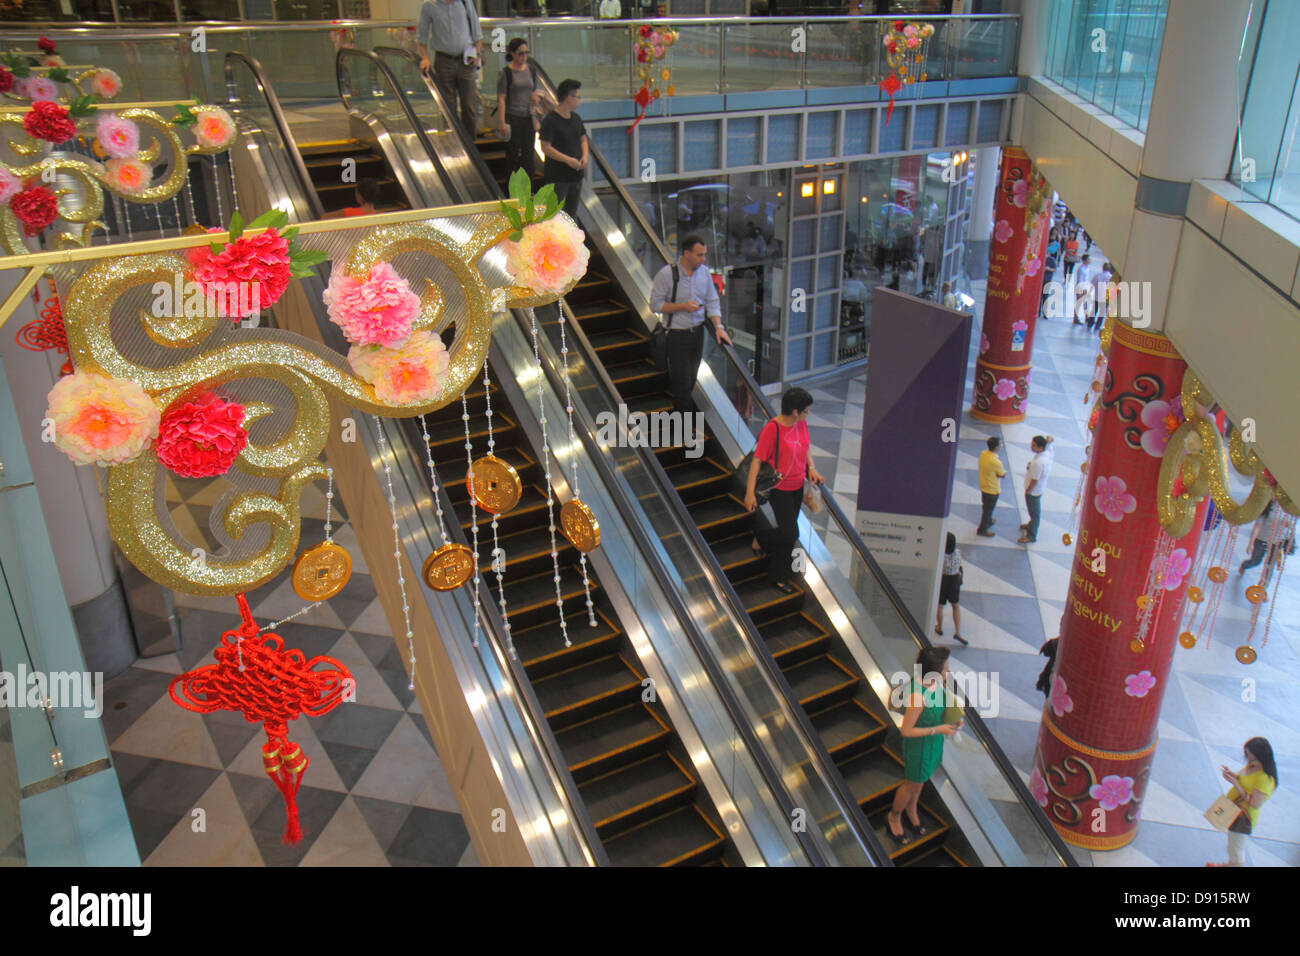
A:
662, 544
1106, 52
1266, 163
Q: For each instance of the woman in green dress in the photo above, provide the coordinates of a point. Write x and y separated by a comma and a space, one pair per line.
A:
923, 731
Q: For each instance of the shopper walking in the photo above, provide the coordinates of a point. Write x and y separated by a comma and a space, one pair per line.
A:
518, 90
450, 30
950, 590
684, 294
1251, 786
949, 298
783, 443
1100, 293
991, 475
1048, 650
1081, 283
565, 146
1040, 466
923, 732
1271, 537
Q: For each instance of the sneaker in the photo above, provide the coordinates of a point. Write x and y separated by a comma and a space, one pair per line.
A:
1024, 539
986, 534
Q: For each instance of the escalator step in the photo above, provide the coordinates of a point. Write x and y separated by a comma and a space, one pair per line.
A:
616, 338
716, 513
694, 472
576, 693
630, 795
604, 743
681, 838
763, 602
737, 558
848, 728
820, 682
452, 433
333, 147
541, 648
940, 857
794, 638
919, 846
531, 601
527, 552
872, 777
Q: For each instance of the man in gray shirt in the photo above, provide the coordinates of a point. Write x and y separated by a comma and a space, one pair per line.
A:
684, 313
450, 29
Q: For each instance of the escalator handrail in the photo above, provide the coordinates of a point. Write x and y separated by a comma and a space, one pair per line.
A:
522, 688
847, 531
278, 118
708, 565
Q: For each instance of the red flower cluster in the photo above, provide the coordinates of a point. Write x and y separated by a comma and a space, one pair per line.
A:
6, 80
49, 121
46, 44
35, 208
645, 30
201, 439
263, 259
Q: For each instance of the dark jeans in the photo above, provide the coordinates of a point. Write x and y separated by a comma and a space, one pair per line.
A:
1034, 504
986, 518
685, 350
568, 194
456, 80
519, 149
779, 542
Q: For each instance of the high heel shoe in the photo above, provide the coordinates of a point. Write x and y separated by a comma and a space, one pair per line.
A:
900, 839
916, 828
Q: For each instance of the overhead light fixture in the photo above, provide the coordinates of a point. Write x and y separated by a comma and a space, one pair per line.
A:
963, 156
828, 187
806, 190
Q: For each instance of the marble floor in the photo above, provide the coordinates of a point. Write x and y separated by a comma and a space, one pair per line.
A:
1013, 599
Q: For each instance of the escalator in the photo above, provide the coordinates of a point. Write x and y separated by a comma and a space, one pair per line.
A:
324, 161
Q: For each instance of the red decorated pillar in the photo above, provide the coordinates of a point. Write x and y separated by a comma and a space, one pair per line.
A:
1021, 216
1098, 735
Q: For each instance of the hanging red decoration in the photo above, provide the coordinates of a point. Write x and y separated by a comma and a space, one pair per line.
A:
907, 48
651, 45
47, 332
256, 677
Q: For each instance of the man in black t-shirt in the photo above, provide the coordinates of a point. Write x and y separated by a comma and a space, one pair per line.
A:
564, 143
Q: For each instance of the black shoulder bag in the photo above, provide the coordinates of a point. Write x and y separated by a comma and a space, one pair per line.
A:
659, 336
768, 475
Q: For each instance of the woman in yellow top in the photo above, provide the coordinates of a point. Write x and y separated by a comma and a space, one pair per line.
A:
1250, 788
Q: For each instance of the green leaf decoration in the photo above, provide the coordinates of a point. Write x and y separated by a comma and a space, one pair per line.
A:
271, 219
516, 236
82, 105
216, 247
520, 185
547, 196
183, 116
513, 217
58, 75
530, 210
236, 226
289, 234
302, 259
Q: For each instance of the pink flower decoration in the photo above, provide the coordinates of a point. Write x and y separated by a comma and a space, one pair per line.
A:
377, 310
1033, 265
1139, 684
658, 49
106, 84
263, 259
1002, 230
10, 186
984, 343
1113, 792
1004, 389
1112, 500
100, 420
1038, 787
119, 138
1175, 569
1159, 421
909, 30
912, 43
201, 439
1060, 701
1020, 193
1020, 325
214, 129
550, 256
39, 89
53, 61
129, 176
413, 373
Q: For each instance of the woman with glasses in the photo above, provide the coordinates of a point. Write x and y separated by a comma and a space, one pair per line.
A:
518, 90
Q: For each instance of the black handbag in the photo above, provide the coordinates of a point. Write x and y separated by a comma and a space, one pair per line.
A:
768, 476
659, 335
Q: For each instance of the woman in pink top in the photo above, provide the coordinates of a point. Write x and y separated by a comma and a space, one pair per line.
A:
783, 443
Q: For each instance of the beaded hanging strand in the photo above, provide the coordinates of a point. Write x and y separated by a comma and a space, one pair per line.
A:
397, 550
573, 455
550, 496
433, 480
498, 556
216, 190
473, 511
234, 193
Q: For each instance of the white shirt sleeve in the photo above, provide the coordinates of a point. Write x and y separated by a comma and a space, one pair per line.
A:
659, 290
1034, 470
712, 305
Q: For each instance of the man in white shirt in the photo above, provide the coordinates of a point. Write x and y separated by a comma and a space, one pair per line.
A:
449, 29
1081, 288
1100, 293
1040, 466
685, 300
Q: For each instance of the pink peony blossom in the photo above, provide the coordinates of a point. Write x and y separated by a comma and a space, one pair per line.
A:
1002, 230
10, 186
1112, 500
100, 420
119, 138
1060, 701
39, 89
105, 84
984, 343
1038, 787
213, 129
1020, 193
909, 30
1159, 421
912, 43
1139, 684
413, 373
1113, 792
377, 310
128, 176
263, 259
1033, 265
1020, 325
1175, 569
550, 257
54, 61
1004, 389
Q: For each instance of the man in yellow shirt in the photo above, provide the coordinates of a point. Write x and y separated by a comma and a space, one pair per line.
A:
991, 473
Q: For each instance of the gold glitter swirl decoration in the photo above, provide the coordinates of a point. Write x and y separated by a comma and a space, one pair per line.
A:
1196, 453
188, 356
79, 183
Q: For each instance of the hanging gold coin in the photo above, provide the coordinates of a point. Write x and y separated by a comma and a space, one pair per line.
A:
1066, 539
1256, 594
494, 484
1217, 575
1142, 600
1136, 646
1195, 594
580, 526
1187, 639
1246, 654
448, 568
321, 572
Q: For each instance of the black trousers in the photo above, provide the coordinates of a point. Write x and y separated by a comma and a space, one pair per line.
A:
685, 350
779, 542
569, 194
519, 149
986, 517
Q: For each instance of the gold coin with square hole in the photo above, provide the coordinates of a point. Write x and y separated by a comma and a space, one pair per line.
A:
580, 526
448, 568
321, 572
494, 484
1246, 654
